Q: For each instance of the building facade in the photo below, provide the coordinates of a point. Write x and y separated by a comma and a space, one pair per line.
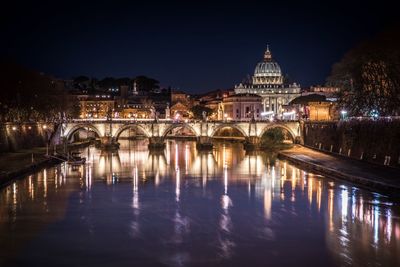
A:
96, 106
242, 107
268, 82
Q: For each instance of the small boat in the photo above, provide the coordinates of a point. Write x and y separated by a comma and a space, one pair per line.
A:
76, 159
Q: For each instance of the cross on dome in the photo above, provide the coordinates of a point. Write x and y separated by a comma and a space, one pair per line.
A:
267, 54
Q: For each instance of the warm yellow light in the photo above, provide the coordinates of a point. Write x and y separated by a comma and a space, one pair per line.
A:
44, 126
14, 128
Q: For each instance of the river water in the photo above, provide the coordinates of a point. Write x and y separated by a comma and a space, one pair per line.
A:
185, 208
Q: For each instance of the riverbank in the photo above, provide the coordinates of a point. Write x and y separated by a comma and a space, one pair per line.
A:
26, 161
23, 162
367, 175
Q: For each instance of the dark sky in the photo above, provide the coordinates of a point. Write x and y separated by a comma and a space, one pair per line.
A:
191, 45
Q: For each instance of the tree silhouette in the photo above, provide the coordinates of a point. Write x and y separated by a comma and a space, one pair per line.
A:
369, 77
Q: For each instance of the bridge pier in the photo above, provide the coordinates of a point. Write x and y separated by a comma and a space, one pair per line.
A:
204, 143
252, 143
156, 143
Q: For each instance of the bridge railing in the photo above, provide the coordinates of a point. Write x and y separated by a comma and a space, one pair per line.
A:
135, 120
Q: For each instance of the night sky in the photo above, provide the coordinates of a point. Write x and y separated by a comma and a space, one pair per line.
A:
191, 45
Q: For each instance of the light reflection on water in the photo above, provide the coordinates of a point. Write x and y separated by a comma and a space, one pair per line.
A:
185, 208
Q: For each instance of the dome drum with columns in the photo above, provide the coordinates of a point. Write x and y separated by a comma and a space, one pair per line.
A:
267, 71
267, 82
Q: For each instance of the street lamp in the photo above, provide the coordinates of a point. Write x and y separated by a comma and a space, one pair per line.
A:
343, 113
374, 114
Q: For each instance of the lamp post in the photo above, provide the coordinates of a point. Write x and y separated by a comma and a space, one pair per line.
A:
343, 114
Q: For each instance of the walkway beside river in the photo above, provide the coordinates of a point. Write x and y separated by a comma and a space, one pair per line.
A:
362, 173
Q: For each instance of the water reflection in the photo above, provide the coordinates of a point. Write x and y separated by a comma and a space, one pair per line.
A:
190, 208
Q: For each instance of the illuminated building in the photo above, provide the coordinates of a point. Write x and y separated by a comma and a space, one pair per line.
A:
268, 82
135, 110
329, 92
314, 107
242, 106
96, 106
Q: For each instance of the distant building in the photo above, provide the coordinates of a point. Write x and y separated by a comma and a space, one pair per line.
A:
96, 106
268, 82
314, 107
179, 96
135, 110
180, 105
329, 92
241, 107
179, 111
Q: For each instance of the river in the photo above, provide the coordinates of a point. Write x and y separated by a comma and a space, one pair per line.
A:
186, 208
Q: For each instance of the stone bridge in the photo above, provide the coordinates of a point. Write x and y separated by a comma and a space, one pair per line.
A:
110, 130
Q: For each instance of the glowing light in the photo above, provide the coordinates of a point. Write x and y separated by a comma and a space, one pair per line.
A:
14, 128
266, 113
289, 113
389, 225
344, 204
330, 208
376, 224
44, 126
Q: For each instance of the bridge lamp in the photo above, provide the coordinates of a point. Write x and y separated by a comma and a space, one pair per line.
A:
343, 113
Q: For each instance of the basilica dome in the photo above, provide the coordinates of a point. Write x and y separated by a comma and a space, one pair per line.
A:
267, 71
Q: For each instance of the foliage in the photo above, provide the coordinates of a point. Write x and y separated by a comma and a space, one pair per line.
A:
198, 110
273, 137
144, 83
369, 77
31, 96
370, 140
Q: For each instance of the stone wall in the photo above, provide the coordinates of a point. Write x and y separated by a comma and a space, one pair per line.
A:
374, 141
16, 136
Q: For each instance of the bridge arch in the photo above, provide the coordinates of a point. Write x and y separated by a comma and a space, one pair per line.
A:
179, 125
233, 126
292, 134
130, 126
84, 126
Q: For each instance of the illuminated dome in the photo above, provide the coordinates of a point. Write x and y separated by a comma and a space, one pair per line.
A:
267, 71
